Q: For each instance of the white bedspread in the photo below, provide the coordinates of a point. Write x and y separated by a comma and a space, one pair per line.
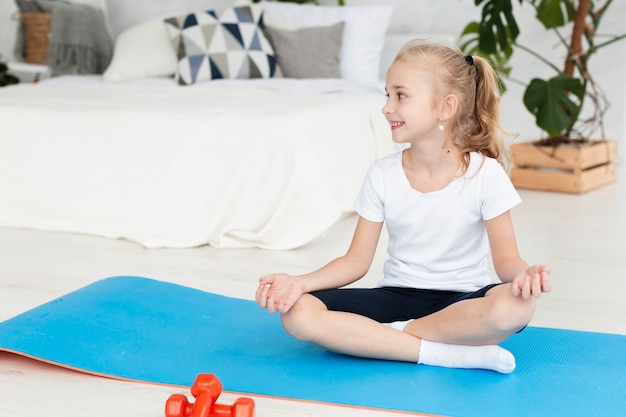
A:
171, 166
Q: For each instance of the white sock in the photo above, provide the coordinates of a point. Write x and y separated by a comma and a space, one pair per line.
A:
491, 357
398, 325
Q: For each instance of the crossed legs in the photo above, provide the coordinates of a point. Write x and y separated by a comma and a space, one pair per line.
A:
468, 329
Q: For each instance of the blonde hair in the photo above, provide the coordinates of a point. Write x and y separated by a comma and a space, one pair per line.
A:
475, 125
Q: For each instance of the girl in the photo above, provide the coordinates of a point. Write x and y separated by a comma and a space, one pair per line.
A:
445, 200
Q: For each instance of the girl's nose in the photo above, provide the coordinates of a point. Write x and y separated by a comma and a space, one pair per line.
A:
387, 108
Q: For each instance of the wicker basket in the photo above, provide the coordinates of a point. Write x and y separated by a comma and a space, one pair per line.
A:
36, 26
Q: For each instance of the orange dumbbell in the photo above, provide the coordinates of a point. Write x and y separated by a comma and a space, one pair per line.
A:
206, 389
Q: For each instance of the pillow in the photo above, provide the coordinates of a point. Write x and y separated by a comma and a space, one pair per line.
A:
307, 52
227, 44
363, 36
142, 51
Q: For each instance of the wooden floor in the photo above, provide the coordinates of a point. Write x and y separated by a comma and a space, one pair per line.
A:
581, 236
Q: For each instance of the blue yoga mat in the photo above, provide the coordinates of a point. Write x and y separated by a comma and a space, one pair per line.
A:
145, 330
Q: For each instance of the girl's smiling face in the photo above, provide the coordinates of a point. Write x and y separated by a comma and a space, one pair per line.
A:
411, 104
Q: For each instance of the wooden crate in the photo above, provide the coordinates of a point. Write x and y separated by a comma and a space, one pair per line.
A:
566, 168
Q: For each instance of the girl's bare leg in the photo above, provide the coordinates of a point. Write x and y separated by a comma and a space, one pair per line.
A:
479, 321
348, 333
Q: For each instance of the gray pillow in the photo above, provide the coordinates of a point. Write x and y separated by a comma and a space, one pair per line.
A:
311, 52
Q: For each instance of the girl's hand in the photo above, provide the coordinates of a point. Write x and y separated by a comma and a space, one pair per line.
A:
533, 281
279, 292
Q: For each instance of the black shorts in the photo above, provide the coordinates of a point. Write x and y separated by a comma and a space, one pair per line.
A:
388, 304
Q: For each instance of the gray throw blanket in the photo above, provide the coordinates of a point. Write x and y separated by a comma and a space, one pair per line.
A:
79, 39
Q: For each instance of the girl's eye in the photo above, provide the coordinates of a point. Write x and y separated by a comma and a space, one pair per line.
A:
400, 96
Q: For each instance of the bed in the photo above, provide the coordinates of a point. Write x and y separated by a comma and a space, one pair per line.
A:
269, 162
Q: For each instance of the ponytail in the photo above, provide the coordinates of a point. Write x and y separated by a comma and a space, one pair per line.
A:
479, 125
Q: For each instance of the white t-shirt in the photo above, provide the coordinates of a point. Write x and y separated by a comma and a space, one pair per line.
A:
437, 240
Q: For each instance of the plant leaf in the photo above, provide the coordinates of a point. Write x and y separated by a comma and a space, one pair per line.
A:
498, 29
553, 13
553, 102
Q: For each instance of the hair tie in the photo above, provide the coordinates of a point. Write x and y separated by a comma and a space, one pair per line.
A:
469, 59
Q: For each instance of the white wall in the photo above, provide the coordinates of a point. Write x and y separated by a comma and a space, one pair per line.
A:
8, 27
446, 17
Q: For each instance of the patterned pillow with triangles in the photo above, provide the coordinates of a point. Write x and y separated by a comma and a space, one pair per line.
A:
225, 44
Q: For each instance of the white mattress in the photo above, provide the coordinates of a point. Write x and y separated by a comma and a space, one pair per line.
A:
254, 163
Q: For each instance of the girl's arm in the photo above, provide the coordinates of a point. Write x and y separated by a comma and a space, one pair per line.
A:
510, 267
353, 265
279, 292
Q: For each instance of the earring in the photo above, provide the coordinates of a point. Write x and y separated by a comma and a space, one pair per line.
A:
441, 126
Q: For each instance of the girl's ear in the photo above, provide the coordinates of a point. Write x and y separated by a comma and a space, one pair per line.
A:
449, 106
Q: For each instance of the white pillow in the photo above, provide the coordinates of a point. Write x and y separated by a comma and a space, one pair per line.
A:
143, 51
363, 36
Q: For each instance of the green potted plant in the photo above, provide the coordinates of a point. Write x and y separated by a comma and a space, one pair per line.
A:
567, 158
